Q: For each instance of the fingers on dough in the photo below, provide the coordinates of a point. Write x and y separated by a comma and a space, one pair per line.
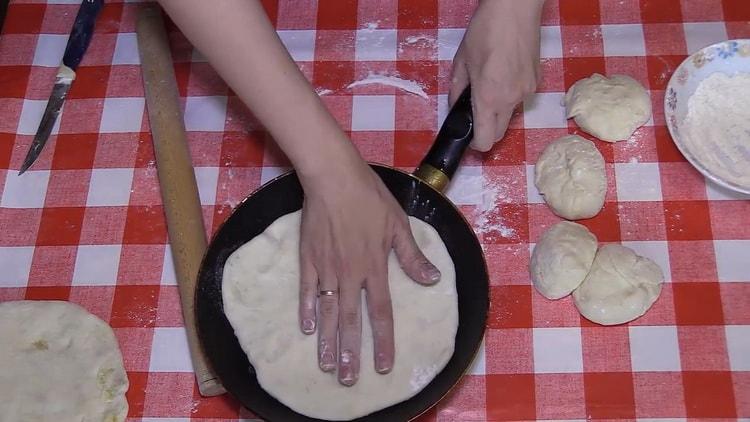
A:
308, 291
620, 287
561, 259
570, 174
260, 294
380, 311
411, 258
328, 309
350, 332
609, 108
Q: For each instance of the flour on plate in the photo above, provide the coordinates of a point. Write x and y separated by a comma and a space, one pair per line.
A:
716, 129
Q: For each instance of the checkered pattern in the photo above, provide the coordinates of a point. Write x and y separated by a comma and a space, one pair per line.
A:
86, 224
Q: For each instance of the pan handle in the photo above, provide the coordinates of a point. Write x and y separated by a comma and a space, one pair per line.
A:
441, 162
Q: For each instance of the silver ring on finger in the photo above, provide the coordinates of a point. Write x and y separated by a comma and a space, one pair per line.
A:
328, 292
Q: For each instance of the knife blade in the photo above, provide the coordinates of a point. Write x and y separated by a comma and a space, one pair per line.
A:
78, 42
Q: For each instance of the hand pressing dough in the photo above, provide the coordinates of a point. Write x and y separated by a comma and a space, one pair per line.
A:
620, 287
609, 108
570, 175
261, 290
561, 259
59, 363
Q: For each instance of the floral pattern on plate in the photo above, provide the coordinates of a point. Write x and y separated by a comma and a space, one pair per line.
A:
730, 57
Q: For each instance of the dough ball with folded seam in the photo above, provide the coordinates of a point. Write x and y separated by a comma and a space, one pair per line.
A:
609, 108
620, 287
561, 259
570, 175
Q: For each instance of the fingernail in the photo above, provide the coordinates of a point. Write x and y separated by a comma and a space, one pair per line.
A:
382, 366
347, 376
430, 272
308, 326
327, 362
346, 373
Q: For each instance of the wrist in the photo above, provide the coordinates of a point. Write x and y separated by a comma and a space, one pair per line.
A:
330, 166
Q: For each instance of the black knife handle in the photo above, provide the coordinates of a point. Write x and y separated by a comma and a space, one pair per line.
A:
455, 135
83, 30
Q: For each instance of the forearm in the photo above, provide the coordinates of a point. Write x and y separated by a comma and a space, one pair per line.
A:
241, 44
523, 10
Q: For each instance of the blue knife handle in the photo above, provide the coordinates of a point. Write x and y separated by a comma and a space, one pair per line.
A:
80, 35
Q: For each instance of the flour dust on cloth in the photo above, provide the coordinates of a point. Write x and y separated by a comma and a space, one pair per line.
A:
59, 363
716, 129
260, 292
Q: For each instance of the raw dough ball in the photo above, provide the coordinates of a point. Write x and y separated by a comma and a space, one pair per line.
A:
610, 109
59, 363
620, 287
570, 174
261, 290
561, 259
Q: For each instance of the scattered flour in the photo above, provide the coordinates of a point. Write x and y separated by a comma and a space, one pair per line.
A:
487, 196
716, 129
390, 80
423, 42
489, 218
230, 200
413, 39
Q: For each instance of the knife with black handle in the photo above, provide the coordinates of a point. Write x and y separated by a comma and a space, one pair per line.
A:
78, 42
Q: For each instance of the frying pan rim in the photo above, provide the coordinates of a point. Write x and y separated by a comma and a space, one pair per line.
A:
372, 164
485, 304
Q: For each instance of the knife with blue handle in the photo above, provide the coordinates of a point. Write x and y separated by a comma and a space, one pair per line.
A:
78, 42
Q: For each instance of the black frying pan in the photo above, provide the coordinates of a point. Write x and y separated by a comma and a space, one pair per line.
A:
3, 12
420, 196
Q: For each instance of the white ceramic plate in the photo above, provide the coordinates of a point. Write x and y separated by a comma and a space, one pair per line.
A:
728, 57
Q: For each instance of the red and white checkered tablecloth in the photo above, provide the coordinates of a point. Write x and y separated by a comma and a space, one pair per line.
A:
86, 224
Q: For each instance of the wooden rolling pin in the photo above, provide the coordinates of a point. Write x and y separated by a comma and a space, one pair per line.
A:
179, 191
